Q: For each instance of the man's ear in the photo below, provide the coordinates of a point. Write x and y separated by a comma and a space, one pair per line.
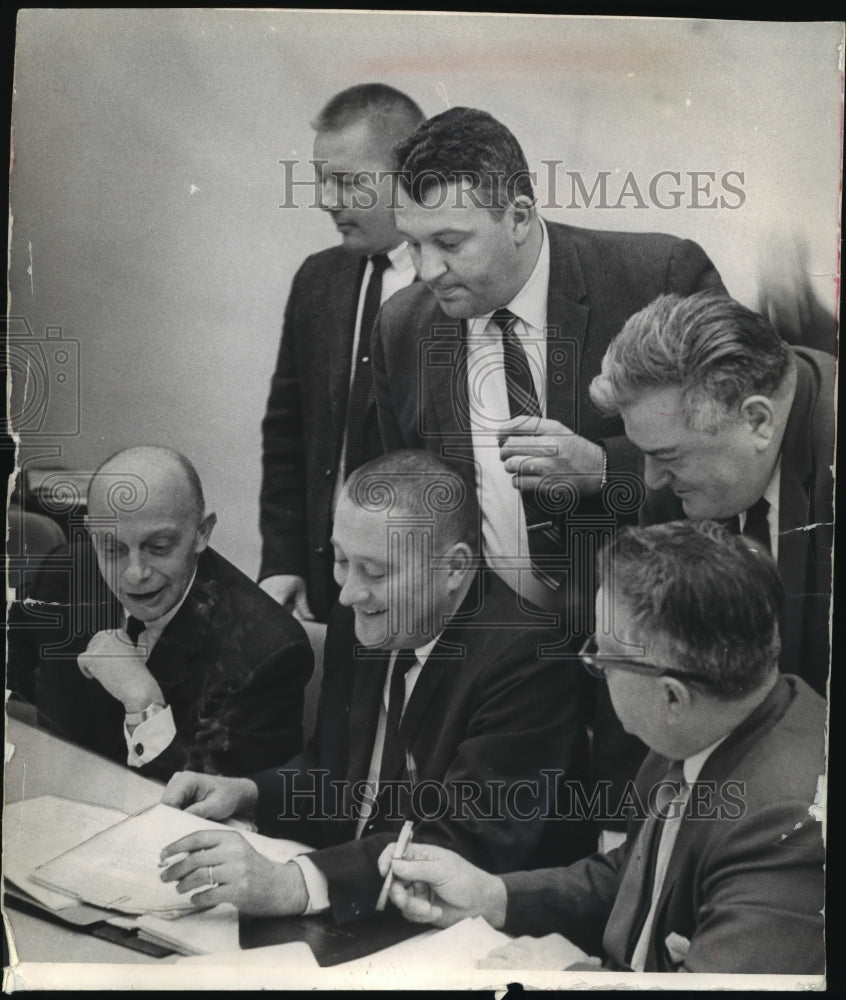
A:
460, 562
204, 532
522, 214
759, 416
677, 698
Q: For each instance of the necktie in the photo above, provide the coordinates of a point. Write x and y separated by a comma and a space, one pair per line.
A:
360, 390
755, 526
544, 537
393, 754
134, 628
634, 897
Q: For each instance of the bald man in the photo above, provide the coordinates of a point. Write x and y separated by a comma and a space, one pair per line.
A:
165, 655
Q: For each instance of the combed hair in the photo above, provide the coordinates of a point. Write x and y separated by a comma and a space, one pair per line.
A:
464, 144
715, 350
714, 598
416, 484
392, 113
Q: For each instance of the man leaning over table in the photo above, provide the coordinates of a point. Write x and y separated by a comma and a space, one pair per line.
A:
162, 654
726, 872
437, 705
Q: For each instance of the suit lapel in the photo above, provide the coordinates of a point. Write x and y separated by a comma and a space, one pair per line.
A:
179, 646
566, 327
339, 316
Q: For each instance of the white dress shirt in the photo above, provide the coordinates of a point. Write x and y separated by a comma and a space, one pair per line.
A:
148, 739
316, 883
399, 275
691, 767
505, 540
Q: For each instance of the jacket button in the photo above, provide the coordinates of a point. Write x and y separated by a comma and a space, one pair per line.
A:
329, 473
320, 550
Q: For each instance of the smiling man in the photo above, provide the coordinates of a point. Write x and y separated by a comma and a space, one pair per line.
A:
437, 705
320, 422
735, 424
722, 869
164, 654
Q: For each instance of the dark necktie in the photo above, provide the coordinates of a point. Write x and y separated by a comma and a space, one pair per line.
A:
393, 753
634, 896
544, 537
134, 628
755, 526
362, 382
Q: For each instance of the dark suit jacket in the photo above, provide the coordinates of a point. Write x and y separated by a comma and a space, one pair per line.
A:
231, 663
745, 890
805, 499
486, 708
303, 427
597, 281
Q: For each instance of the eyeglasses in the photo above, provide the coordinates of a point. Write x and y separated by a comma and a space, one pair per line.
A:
597, 664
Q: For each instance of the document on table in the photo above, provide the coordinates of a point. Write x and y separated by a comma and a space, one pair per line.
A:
38, 830
119, 867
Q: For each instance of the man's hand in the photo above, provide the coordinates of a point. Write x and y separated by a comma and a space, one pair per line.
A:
120, 667
290, 592
435, 886
210, 795
533, 448
550, 952
236, 872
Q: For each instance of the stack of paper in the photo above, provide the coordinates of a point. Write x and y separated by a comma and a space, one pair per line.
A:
118, 869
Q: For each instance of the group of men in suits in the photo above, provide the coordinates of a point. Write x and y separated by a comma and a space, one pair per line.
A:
467, 402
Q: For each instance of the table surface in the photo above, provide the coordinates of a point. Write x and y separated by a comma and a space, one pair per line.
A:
43, 764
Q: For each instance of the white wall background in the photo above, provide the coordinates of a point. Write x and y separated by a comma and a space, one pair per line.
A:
146, 183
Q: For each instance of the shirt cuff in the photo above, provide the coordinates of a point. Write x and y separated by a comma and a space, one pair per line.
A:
148, 739
317, 885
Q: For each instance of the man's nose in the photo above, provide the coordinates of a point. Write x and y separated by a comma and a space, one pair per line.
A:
135, 568
353, 590
655, 473
430, 264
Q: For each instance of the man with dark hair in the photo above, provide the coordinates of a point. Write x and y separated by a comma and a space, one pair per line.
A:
722, 871
321, 422
149, 647
734, 424
487, 359
437, 705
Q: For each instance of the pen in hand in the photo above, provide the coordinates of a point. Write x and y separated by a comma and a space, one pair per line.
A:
403, 841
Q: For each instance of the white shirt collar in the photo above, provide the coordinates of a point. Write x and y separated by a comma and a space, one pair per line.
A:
692, 766
400, 258
772, 491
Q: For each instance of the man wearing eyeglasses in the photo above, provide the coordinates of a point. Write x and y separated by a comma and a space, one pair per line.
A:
723, 871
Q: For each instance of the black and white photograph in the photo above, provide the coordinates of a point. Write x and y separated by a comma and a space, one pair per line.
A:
420, 540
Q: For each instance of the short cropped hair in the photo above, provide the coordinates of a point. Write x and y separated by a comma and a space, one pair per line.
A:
715, 350
714, 598
195, 486
392, 113
464, 144
417, 484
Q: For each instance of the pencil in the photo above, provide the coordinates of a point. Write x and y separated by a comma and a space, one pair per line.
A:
403, 841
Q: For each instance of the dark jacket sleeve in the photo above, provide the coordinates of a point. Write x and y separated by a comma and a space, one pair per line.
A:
282, 514
246, 723
494, 798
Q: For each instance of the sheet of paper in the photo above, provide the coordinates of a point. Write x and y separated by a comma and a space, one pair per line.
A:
119, 868
212, 931
38, 830
456, 947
